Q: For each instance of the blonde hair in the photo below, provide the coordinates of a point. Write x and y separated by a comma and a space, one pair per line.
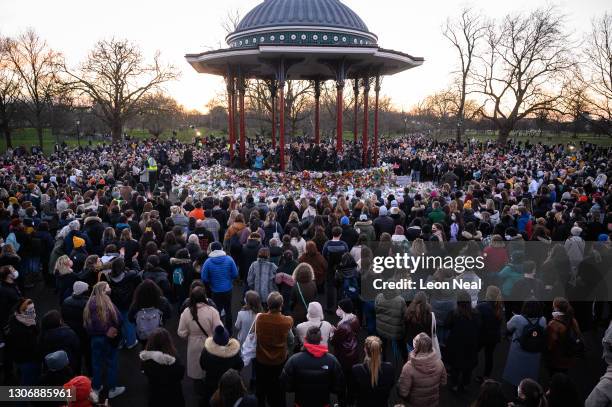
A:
373, 358
422, 344
101, 302
62, 265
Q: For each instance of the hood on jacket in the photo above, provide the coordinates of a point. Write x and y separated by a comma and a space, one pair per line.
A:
92, 219
425, 363
315, 350
158, 357
398, 238
177, 261
216, 253
468, 236
231, 349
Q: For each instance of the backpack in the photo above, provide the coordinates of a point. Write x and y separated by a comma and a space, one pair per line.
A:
532, 338
177, 276
571, 343
147, 321
350, 287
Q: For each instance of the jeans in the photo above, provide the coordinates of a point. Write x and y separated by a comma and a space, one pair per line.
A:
415, 176
128, 330
369, 316
29, 373
224, 303
103, 353
489, 349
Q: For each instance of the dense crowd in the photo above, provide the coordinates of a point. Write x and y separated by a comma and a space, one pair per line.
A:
126, 249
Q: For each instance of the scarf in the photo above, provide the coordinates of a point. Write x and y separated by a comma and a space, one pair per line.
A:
556, 314
28, 317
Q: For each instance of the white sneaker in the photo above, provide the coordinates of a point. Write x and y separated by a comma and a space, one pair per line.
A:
116, 391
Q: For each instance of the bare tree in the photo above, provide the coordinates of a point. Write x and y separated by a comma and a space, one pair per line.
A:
522, 68
38, 66
465, 34
231, 21
116, 78
598, 82
159, 113
10, 86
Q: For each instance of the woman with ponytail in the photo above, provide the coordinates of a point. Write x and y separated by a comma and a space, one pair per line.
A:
373, 379
563, 338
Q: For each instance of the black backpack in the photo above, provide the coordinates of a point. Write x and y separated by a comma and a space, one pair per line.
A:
533, 338
571, 343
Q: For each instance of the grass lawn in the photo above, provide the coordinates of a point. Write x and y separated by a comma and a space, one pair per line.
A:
27, 137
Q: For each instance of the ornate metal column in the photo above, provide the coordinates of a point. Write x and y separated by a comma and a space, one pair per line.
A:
231, 95
364, 142
241, 90
356, 114
317, 95
273, 87
281, 111
377, 93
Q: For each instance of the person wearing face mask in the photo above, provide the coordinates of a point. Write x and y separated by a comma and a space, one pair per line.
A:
21, 340
344, 341
102, 322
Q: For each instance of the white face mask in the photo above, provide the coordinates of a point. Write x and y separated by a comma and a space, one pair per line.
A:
339, 313
15, 274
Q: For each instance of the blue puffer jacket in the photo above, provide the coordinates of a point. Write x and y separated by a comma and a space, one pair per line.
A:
219, 270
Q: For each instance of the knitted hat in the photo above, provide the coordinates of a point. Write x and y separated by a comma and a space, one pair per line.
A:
382, 211
346, 305
399, 230
363, 217
576, 231
603, 237
79, 287
344, 220
221, 336
216, 246
78, 242
394, 204
57, 360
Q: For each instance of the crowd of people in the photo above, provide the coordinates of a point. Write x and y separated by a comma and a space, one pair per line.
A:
126, 251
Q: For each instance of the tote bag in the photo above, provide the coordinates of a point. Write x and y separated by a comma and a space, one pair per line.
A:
249, 347
434, 337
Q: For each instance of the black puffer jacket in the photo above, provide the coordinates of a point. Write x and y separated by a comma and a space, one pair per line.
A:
122, 289
62, 338
313, 377
22, 341
9, 295
72, 313
164, 373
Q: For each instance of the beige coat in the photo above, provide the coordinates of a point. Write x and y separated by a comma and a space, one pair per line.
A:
421, 379
188, 328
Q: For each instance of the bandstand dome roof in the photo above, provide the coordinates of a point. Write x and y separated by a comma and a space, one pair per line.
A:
312, 34
275, 13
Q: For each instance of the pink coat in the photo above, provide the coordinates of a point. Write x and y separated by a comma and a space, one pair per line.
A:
421, 379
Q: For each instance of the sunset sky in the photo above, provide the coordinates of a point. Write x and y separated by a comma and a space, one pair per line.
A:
188, 26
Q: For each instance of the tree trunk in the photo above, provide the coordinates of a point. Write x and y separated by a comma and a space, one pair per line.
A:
116, 130
8, 138
39, 131
502, 136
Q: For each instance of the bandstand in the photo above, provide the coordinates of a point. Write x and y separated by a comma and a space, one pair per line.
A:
315, 40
